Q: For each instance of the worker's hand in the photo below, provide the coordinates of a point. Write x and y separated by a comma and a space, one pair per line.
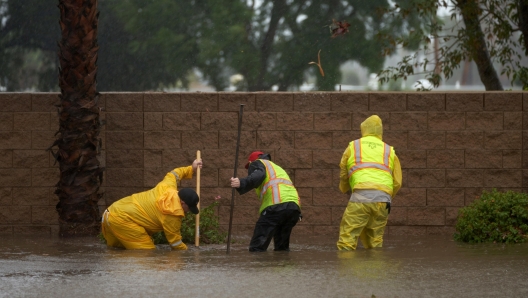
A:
235, 182
197, 163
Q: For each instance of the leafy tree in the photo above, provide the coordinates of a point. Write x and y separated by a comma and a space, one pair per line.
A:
159, 39
79, 126
279, 38
149, 45
28, 40
223, 40
119, 69
144, 48
488, 32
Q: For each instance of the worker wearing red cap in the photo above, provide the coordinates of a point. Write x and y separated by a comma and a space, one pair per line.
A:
371, 175
280, 205
127, 223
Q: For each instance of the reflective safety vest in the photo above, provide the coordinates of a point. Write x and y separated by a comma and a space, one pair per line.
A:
276, 188
371, 160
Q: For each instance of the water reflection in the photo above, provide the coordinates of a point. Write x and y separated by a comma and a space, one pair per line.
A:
367, 264
405, 267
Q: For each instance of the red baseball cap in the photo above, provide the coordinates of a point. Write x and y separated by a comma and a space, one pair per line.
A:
253, 156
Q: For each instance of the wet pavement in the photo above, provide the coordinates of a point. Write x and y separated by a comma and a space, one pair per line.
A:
432, 266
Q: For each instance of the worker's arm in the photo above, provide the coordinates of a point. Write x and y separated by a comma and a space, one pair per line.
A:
172, 228
344, 185
396, 176
256, 175
184, 172
176, 175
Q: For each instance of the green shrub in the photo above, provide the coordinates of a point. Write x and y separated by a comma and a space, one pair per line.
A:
494, 217
101, 238
209, 228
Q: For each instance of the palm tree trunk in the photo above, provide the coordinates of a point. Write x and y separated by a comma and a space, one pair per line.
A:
78, 136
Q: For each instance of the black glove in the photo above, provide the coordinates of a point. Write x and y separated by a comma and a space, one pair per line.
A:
388, 206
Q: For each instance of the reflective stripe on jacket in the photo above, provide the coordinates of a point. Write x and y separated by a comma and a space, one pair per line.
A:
371, 160
276, 188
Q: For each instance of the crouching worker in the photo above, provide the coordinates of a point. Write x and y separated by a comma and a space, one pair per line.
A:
129, 222
371, 175
280, 205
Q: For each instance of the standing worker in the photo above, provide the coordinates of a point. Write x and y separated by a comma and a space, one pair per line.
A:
280, 205
371, 173
128, 222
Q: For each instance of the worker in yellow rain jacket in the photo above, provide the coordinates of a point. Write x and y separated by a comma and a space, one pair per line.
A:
371, 174
280, 205
129, 222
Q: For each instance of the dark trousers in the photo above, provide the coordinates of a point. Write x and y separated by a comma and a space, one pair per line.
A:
274, 224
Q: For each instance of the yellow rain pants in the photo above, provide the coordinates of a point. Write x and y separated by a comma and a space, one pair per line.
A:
130, 221
365, 221
121, 232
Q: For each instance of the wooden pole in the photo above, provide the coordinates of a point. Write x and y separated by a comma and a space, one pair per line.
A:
197, 217
234, 176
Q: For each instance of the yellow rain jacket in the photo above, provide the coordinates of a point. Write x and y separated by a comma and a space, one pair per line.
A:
371, 127
129, 221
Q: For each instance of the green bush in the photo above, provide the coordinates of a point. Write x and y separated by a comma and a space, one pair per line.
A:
494, 217
209, 228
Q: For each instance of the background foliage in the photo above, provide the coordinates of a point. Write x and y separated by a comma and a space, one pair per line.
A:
494, 217
155, 44
493, 33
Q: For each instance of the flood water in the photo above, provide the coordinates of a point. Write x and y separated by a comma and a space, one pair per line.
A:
431, 266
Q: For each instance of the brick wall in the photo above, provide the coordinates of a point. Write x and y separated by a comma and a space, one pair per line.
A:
451, 146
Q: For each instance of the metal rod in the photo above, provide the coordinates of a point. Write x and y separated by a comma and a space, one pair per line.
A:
234, 176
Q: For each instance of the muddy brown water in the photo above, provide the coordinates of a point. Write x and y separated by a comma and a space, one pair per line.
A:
431, 266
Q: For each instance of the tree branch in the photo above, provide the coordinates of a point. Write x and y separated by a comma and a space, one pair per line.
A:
522, 7
476, 45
